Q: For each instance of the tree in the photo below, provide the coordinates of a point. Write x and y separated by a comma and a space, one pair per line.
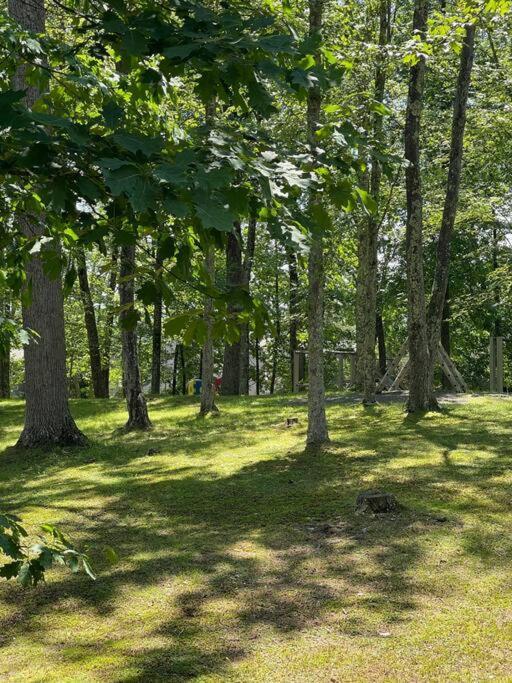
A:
366, 293
138, 417
100, 388
207, 376
48, 419
246, 279
156, 356
438, 298
317, 421
234, 276
420, 397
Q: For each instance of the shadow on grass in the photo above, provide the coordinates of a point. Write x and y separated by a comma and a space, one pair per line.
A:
277, 542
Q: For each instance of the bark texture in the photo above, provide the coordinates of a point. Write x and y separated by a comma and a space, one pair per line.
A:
156, 356
109, 323
419, 392
5, 361
293, 309
138, 417
207, 369
317, 423
246, 279
366, 291
231, 365
440, 283
93, 341
48, 420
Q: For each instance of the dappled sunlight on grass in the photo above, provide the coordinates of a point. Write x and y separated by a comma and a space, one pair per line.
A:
242, 557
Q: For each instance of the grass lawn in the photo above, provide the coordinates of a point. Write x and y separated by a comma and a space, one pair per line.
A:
242, 558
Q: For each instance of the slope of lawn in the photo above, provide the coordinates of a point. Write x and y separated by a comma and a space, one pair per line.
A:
242, 558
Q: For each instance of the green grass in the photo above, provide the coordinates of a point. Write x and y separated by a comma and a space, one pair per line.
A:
226, 571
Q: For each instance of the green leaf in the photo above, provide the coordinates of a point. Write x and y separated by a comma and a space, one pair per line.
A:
174, 326
368, 202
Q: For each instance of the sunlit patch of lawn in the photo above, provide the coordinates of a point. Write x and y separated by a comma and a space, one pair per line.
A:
241, 557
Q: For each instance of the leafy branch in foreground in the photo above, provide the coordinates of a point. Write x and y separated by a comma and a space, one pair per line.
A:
28, 563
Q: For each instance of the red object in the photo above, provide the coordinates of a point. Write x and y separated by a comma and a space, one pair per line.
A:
217, 382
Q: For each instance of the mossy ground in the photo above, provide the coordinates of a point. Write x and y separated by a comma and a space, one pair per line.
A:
242, 557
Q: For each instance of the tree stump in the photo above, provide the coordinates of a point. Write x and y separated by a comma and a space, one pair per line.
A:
377, 502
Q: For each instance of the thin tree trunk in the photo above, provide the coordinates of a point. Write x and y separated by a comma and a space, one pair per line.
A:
293, 309
317, 422
5, 361
183, 371
246, 279
138, 417
368, 241
440, 284
445, 335
208, 386
231, 365
109, 323
93, 342
419, 391
156, 357
381, 342
257, 361
48, 419
277, 338
175, 369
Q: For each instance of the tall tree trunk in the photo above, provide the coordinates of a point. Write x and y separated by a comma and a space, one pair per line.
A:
293, 308
440, 284
156, 357
183, 371
257, 361
368, 240
317, 422
381, 343
5, 360
277, 338
109, 323
231, 365
175, 369
93, 342
246, 279
207, 370
446, 335
138, 417
48, 419
419, 391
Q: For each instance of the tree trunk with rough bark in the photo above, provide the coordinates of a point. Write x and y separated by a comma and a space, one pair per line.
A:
231, 365
317, 422
207, 370
5, 361
48, 419
366, 292
246, 279
277, 338
109, 323
440, 284
138, 417
93, 342
420, 397
293, 309
156, 357
381, 343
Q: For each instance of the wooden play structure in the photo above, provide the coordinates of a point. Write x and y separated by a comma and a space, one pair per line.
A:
343, 356
396, 374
